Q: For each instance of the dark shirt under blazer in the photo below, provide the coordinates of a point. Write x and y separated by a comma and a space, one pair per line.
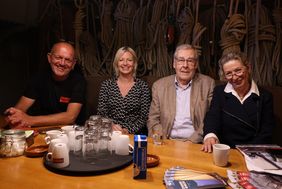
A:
235, 123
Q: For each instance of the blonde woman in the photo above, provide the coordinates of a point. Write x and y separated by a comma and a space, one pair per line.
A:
124, 98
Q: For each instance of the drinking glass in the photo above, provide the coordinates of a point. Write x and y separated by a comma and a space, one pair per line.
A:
104, 135
78, 140
157, 136
90, 142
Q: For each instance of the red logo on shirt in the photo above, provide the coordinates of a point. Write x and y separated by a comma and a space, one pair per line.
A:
64, 99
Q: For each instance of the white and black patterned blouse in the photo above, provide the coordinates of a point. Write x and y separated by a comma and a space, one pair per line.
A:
131, 111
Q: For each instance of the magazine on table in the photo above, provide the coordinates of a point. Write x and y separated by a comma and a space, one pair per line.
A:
262, 158
182, 178
253, 180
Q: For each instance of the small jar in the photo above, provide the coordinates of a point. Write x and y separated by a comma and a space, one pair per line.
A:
13, 143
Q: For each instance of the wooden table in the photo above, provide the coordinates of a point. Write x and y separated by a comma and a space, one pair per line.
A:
24, 172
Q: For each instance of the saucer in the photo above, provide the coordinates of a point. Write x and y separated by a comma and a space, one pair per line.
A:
152, 160
36, 151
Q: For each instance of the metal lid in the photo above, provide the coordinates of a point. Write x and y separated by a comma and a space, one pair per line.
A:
13, 132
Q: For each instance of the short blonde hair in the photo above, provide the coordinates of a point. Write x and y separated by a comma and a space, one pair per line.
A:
119, 53
240, 56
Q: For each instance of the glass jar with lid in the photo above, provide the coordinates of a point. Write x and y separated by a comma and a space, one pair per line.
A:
13, 143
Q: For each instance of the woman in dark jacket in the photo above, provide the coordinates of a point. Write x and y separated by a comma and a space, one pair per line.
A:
240, 111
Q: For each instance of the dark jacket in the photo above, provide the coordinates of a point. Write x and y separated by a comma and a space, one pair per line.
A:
235, 123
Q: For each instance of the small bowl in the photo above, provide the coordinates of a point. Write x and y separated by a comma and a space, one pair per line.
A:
152, 160
36, 151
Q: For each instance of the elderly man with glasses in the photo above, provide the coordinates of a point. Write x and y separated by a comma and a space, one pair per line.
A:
180, 101
58, 93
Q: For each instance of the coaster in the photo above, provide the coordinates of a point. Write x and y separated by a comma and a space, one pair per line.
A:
36, 151
152, 160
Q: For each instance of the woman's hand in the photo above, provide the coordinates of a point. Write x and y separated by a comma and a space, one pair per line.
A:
207, 146
117, 127
125, 131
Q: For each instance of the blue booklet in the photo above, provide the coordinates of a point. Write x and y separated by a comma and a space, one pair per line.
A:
181, 178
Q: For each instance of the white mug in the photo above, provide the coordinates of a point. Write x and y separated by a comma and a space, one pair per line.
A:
69, 130
64, 137
53, 142
52, 134
59, 156
71, 138
122, 145
66, 129
114, 138
220, 154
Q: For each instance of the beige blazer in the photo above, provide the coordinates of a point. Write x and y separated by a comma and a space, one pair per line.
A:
163, 105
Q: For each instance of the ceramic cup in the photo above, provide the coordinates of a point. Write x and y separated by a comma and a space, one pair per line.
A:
69, 130
221, 154
66, 129
53, 142
59, 156
122, 145
52, 134
64, 137
114, 138
71, 138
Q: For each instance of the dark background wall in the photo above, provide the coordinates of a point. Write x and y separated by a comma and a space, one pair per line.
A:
28, 28
17, 47
22, 51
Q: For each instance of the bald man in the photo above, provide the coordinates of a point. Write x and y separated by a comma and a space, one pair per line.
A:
59, 93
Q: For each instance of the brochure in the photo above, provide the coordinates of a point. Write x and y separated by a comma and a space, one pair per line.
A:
253, 180
181, 178
262, 158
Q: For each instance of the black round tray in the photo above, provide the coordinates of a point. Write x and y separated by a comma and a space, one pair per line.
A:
100, 164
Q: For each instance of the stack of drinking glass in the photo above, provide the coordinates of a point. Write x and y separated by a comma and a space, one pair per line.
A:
93, 140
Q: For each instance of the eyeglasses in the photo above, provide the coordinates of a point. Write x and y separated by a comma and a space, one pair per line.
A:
59, 58
182, 61
238, 72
